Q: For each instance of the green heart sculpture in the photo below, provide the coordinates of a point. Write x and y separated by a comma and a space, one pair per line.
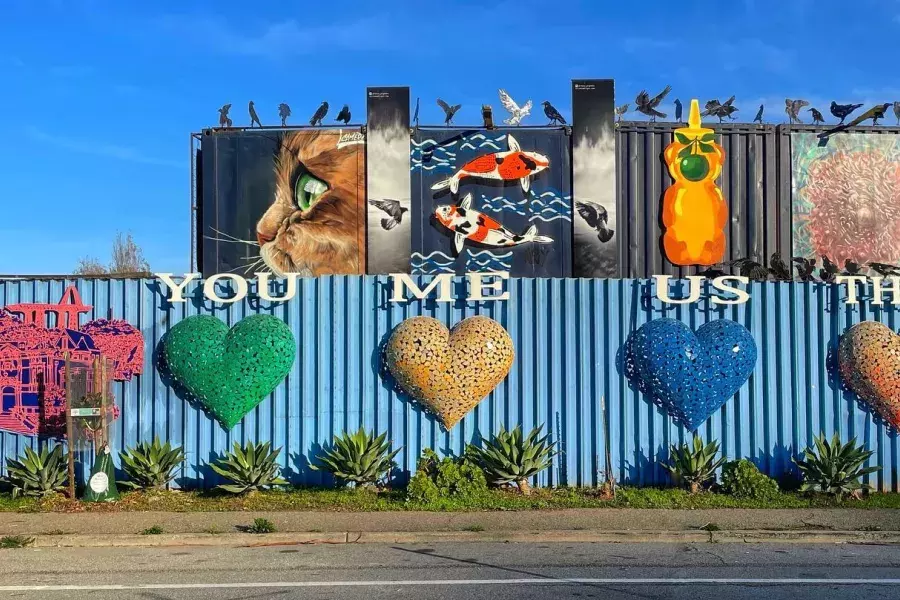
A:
229, 371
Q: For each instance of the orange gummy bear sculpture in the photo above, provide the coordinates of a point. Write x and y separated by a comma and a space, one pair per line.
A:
694, 210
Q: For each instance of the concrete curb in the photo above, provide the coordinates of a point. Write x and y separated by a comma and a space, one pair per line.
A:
412, 537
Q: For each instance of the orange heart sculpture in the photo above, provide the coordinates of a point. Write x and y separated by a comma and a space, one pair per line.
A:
449, 372
869, 359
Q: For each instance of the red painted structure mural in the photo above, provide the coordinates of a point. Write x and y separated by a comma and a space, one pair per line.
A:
34, 339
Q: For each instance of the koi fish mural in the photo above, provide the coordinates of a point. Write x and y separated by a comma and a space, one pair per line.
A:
499, 166
469, 224
467, 208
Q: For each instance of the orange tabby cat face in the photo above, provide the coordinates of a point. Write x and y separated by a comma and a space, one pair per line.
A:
315, 225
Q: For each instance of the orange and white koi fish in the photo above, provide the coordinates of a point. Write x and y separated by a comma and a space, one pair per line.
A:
502, 166
469, 224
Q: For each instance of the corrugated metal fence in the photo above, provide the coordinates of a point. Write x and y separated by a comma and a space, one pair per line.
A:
756, 183
568, 335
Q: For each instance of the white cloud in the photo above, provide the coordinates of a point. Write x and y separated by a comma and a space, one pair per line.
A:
96, 148
282, 39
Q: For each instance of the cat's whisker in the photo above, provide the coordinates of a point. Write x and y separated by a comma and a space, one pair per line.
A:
230, 238
215, 239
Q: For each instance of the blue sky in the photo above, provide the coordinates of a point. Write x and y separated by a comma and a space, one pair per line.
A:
99, 96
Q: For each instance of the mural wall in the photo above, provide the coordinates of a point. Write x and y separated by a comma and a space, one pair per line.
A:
496, 200
594, 178
570, 339
846, 197
283, 201
387, 180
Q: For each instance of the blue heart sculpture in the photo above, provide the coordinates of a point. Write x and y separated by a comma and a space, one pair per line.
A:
691, 374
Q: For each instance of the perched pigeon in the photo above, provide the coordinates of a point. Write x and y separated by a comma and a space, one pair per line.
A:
516, 112
254, 118
552, 114
344, 115
393, 209
678, 109
751, 269
806, 267
320, 113
224, 119
416, 116
647, 105
284, 111
621, 110
842, 111
487, 115
759, 115
817, 116
449, 111
596, 217
828, 270
779, 269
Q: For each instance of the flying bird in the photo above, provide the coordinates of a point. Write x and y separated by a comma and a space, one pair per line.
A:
552, 114
759, 115
678, 110
224, 119
842, 111
779, 269
621, 110
393, 209
726, 109
284, 111
516, 112
596, 217
876, 112
897, 111
793, 108
320, 113
647, 105
806, 267
254, 118
816, 116
344, 115
449, 111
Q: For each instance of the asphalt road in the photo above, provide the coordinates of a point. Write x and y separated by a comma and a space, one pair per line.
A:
459, 571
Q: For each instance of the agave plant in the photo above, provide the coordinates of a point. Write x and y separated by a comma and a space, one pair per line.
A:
151, 466
36, 474
510, 458
250, 468
360, 457
834, 467
694, 464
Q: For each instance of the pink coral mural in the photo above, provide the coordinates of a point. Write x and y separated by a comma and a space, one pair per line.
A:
34, 338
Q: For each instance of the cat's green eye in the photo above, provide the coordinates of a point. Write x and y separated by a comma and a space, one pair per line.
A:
307, 190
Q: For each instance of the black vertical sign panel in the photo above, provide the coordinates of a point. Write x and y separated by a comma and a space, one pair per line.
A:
387, 177
594, 178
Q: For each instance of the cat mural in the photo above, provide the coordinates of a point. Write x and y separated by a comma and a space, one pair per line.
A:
292, 202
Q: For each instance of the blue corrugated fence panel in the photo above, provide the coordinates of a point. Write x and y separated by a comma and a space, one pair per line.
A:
567, 375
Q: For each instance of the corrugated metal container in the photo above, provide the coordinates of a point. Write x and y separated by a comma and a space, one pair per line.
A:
785, 166
759, 219
568, 336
